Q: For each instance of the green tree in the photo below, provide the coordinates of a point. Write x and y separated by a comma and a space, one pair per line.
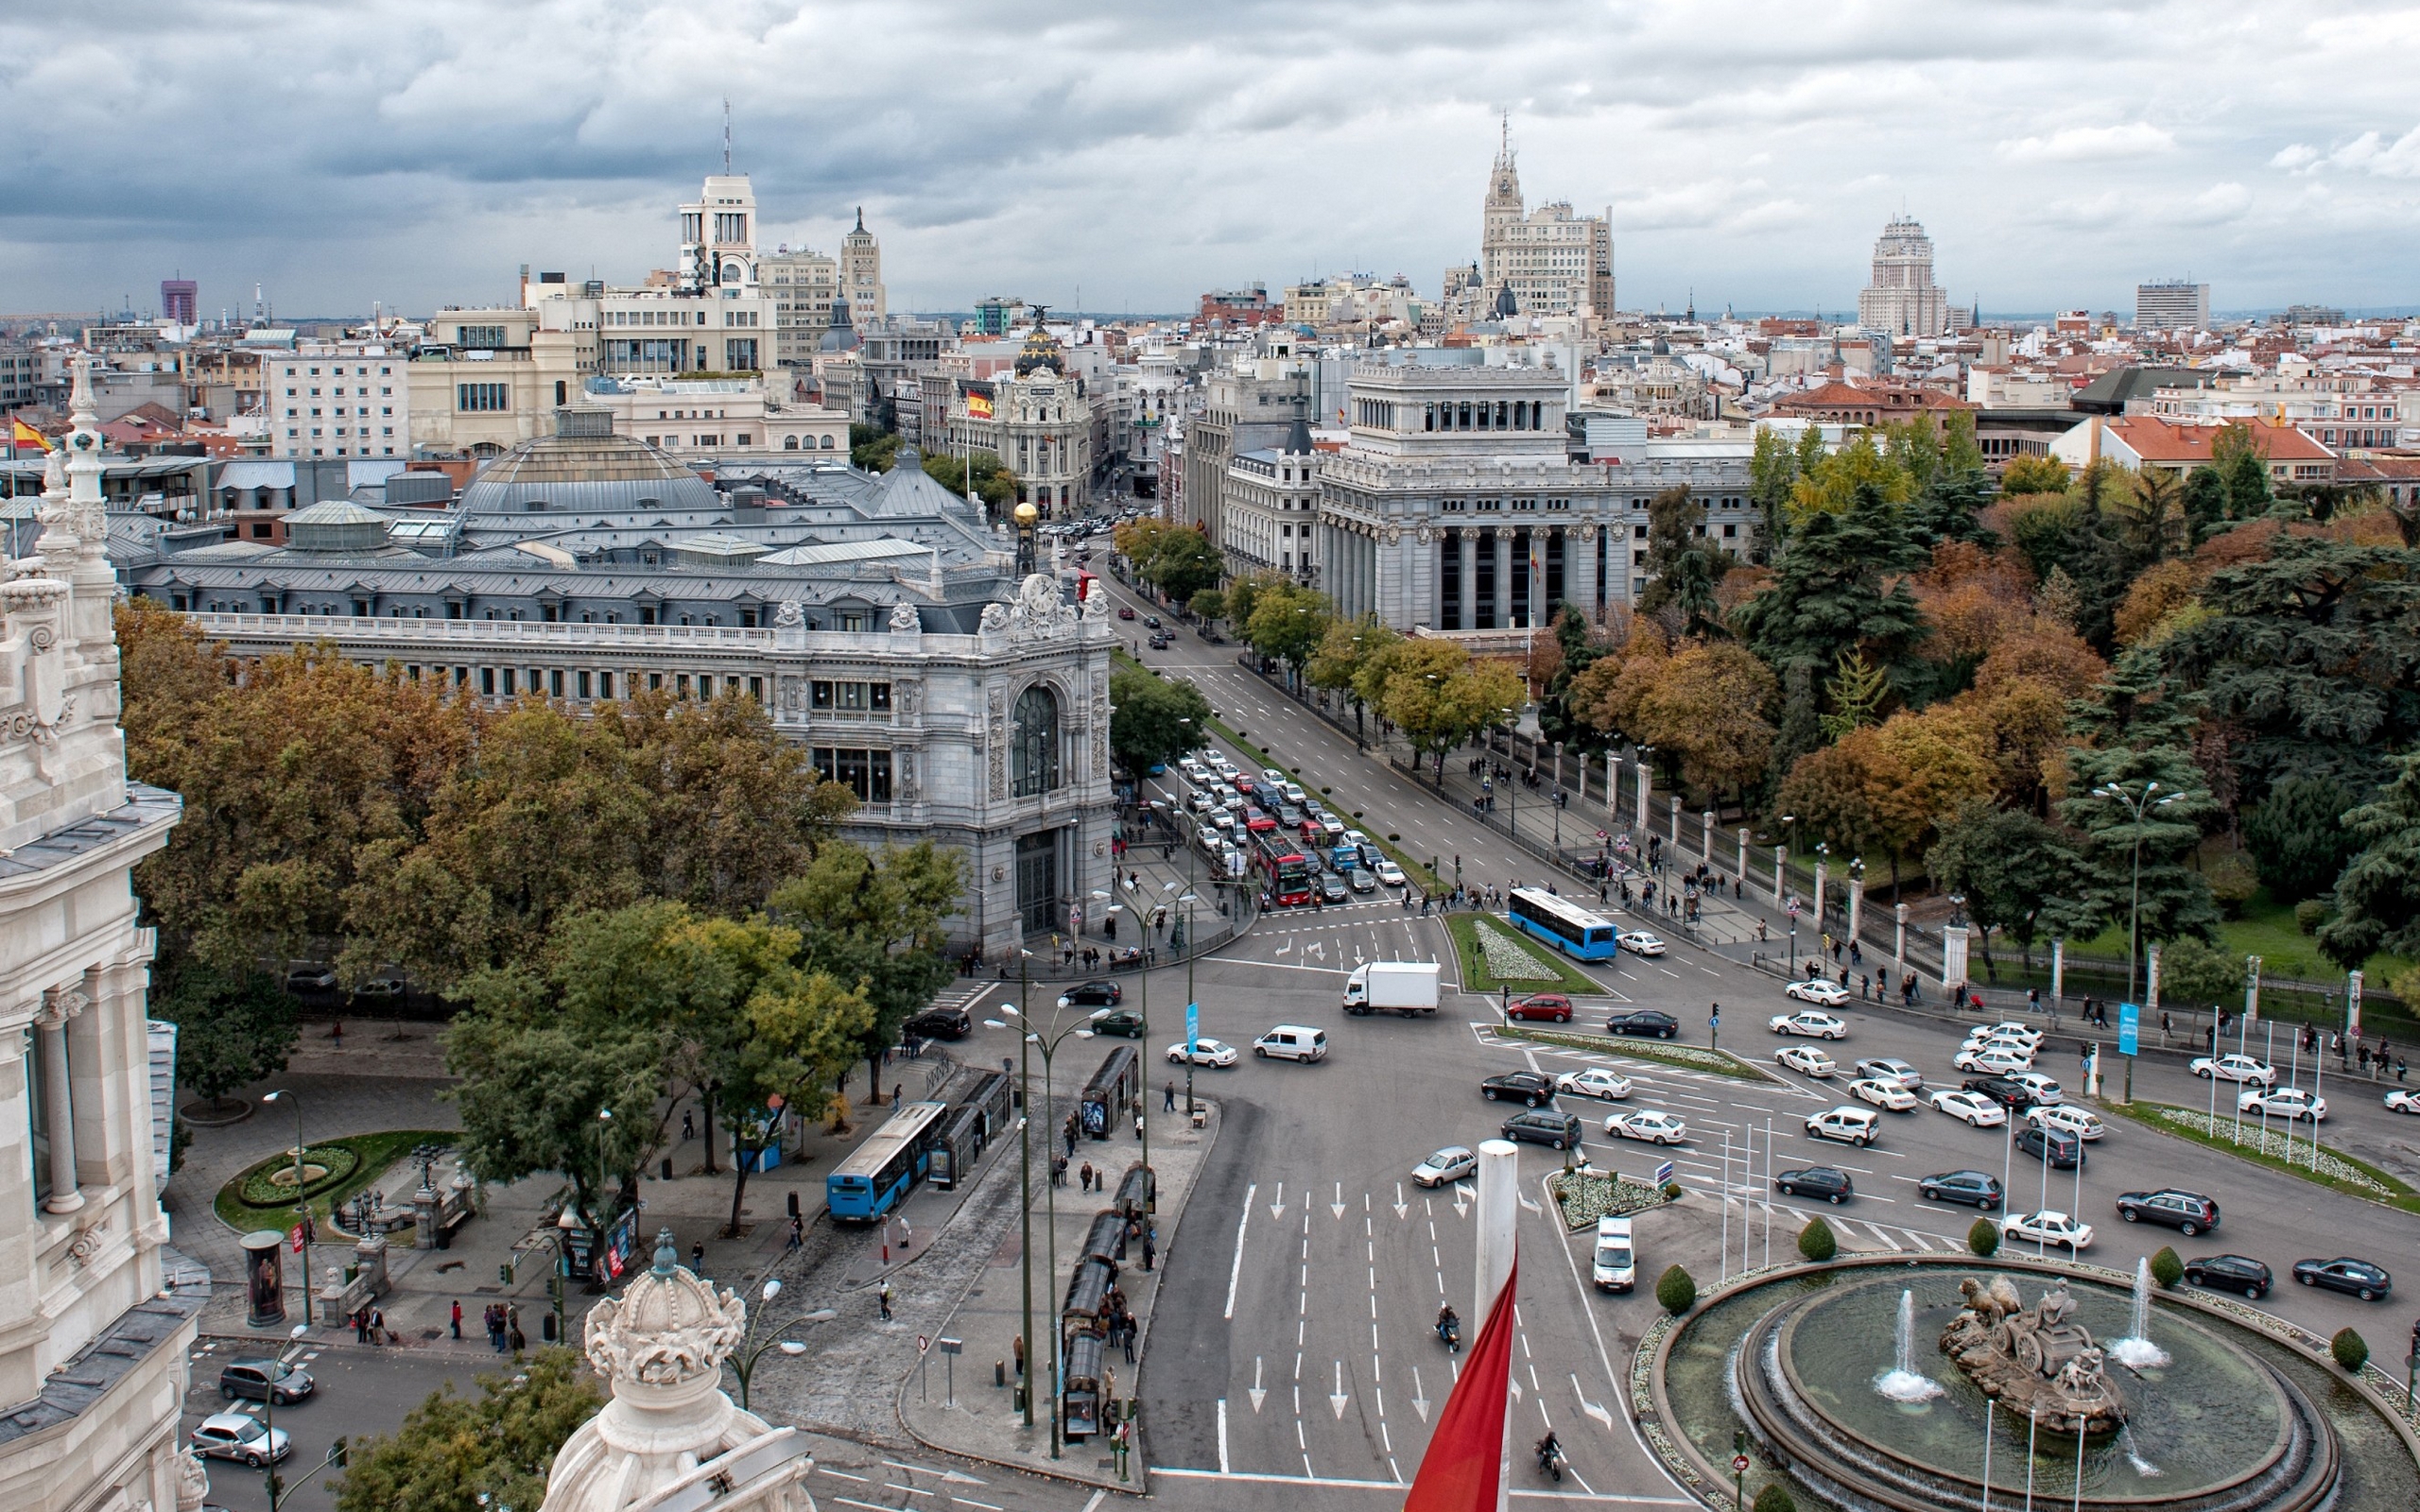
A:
994, 483
1346, 652
1676, 1291
2378, 896
2150, 518
1287, 624
2009, 865
874, 917
1773, 1498
1153, 720
232, 1029
1983, 1238
2034, 474
1832, 484
2167, 1268
1243, 596
1816, 1242
1685, 567
1856, 693
2140, 732
1208, 605
1182, 564
2201, 974
873, 449
1773, 479
2206, 502
1838, 589
456, 1454
2297, 836
2243, 461
531, 1090
2349, 1348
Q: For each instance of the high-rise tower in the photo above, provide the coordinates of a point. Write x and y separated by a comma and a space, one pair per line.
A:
1902, 298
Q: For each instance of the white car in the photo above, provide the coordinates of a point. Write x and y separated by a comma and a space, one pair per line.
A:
1205, 1052
1596, 1081
1333, 826
1809, 1023
2044, 1090
1223, 821
2068, 1119
2005, 1029
1294, 792
1993, 1063
1850, 1125
1805, 1059
1882, 1093
2400, 1101
1451, 1163
1890, 1069
1820, 991
1273, 776
2236, 1067
1973, 1107
1201, 803
1648, 1124
2010, 1043
2048, 1227
2283, 1102
240, 1436
1389, 873
1639, 943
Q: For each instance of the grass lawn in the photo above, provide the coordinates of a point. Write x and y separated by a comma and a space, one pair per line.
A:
2345, 1173
377, 1152
1544, 973
2267, 930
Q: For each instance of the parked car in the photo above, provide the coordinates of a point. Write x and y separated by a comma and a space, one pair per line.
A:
1093, 994
311, 979
2046, 1091
2051, 1228
1887, 1068
1549, 1126
1997, 1061
1824, 1182
385, 987
940, 1023
1639, 943
1805, 1059
1552, 1006
1648, 1124
2283, 1102
1451, 1163
1124, 1023
272, 1381
1977, 1189
2056, 1148
2188, 1212
2080, 1122
2234, 1068
1850, 1125
1811, 1023
2014, 1097
2357, 1277
1596, 1081
240, 1436
1881, 1093
1644, 1021
1528, 1087
1205, 1052
2229, 1273
1821, 991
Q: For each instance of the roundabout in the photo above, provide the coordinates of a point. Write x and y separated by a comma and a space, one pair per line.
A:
1922, 1388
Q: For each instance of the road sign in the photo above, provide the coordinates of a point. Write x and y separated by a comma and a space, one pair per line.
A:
2130, 1018
953, 1345
1664, 1173
922, 1343
1192, 1025
1738, 1463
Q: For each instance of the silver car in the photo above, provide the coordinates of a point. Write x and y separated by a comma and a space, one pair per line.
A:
240, 1436
1452, 1163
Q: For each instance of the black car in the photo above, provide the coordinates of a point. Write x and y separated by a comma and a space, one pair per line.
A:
1150, 621
2059, 1149
1644, 1020
940, 1023
1518, 1086
1123, 1023
2228, 1273
2367, 1281
1332, 889
2188, 1212
1549, 1126
1816, 1181
1980, 1189
1094, 995
2013, 1095
265, 1380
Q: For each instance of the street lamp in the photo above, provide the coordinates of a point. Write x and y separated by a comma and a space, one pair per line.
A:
277, 1489
2135, 805
743, 1364
604, 1122
302, 1197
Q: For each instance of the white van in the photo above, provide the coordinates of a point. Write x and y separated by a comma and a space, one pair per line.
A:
1291, 1042
1616, 1268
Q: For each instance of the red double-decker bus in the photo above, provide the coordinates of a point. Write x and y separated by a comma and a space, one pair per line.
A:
1287, 870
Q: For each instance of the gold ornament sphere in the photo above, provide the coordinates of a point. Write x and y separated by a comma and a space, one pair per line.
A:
1027, 514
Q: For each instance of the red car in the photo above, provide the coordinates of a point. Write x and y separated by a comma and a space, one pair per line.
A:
1125, 611
1552, 1006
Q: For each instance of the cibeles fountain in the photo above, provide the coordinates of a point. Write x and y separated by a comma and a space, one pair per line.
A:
1911, 1388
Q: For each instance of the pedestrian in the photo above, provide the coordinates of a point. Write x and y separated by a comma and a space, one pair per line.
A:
1138, 1124
882, 1298
338, 1034
894, 1094
697, 1257
1151, 1246
1167, 1099
2400, 1067
797, 1234
1016, 1349
361, 1325
520, 1341
689, 1125
1085, 1178
2033, 1000
377, 1324
458, 1317
1126, 1328
1070, 1132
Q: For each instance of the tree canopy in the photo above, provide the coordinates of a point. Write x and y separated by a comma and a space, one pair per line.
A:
474, 1453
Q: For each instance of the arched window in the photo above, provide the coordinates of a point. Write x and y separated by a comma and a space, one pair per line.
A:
790, 443
1033, 744
827, 443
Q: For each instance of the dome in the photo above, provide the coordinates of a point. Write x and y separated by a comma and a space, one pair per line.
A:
1042, 350
1659, 347
582, 468
336, 525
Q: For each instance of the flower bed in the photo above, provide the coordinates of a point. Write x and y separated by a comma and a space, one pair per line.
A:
251, 1201
1586, 1195
1507, 960
1493, 959
2269, 1147
260, 1187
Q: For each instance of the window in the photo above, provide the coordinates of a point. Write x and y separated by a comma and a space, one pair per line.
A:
851, 697
1033, 744
482, 398
866, 773
483, 336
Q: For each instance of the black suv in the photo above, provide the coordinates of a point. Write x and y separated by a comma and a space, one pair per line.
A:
2229, 1273
1816, 1181
1126, 1024
940, 1023
1519, 1086
1644, 1020
1549, 1126
265, 1380
2013, 1095
2062, 1150
1094, 994
2188, 1212
1980, 1189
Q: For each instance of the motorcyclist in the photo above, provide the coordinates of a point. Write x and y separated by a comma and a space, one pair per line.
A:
1447, 1323
1549, 1450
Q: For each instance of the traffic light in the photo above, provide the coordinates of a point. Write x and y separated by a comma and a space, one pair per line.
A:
339, 1455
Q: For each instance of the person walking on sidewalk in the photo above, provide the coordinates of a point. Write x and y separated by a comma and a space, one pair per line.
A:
797, 1234
1151, 1246
520, 1341
882, 1299
458, 1317
1167, 1099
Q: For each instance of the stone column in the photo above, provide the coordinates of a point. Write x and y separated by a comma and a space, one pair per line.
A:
1900, 941
1857, 904
1823, 875
1781, 868
1953, 957
1579, 566
1743, 858
58, 1004
1646, 786
1706, 841
1503, 544
1467, 591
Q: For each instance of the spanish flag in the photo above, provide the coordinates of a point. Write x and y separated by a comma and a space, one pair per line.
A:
978, 406
22, 435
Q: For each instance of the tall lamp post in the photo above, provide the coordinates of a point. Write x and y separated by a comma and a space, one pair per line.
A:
302, 1199
2136, 805
743, 1364
1047, 1042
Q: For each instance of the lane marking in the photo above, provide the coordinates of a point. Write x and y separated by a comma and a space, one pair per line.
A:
1236, 1271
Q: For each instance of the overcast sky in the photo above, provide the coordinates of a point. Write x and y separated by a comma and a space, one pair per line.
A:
1132, 155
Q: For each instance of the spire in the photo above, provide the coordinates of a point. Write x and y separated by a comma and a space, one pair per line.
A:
861, 217
726, 136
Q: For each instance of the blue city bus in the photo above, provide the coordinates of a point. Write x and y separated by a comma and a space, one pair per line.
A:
1564, 925
879, 1173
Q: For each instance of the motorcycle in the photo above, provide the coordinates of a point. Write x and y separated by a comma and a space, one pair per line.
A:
1550, 1462
1449, 1332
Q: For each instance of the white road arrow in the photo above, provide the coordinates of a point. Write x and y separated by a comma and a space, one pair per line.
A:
1527, 1203
955, 1478
1338, 1398
1461, 1200
1605, 1418
1257, 1394
1402, 1209
1516, 1385
1278, 1209
1318, 949
1419, 1400
1337, 1206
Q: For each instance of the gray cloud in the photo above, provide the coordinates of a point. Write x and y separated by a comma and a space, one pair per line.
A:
417, 152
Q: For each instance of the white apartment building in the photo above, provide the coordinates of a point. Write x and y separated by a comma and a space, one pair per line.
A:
1270, 512
2340, 411
803, 284
339, 399
2172, 304
1902, 299
707, 416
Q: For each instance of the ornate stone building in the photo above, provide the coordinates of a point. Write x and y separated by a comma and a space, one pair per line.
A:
1550, 259
1902, 298
93, 1341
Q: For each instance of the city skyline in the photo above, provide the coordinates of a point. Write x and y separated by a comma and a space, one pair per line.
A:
2051, 153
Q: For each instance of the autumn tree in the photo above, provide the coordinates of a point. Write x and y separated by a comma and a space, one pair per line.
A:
2034, 474
1288, 622
1346, 650
1706, 706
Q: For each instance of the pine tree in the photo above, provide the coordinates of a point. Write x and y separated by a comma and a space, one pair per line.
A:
1856, 693
2137, 734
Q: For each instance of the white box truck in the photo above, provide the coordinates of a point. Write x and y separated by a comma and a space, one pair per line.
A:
1393, 987
1616, 1266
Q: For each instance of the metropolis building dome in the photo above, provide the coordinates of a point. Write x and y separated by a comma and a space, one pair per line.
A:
585, 468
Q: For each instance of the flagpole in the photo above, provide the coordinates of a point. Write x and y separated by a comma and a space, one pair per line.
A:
1499, 1178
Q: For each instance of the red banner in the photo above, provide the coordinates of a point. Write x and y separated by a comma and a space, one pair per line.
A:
1465, 1460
